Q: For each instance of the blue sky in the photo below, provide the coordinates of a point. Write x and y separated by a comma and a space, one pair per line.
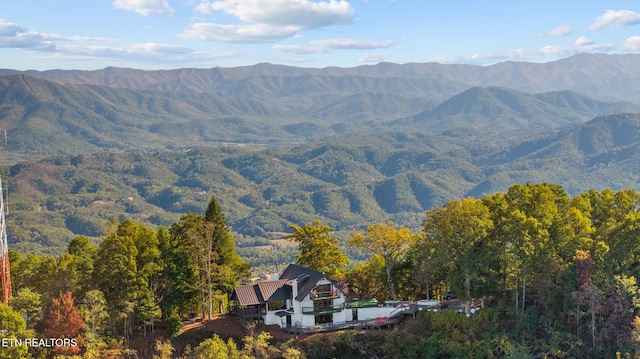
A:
167, 34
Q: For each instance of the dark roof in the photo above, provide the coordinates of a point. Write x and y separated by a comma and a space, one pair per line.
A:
247, 295
275, 289
306, 277
262, 292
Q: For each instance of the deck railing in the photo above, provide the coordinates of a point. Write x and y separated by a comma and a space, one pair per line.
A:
324, 295
249, 312
323, 310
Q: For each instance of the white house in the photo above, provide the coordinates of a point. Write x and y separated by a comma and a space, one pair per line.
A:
303, 298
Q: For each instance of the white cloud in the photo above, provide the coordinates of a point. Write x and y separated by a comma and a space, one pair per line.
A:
559, 31
350, 44
254, 33
373, 57
583, 41
144, 7
88, 49
156, 48
267, 20
16, 36
323, 46
301, 14
546, 52
632, 44
613, 18
296, 49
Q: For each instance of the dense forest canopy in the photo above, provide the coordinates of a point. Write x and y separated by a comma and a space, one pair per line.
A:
557, 275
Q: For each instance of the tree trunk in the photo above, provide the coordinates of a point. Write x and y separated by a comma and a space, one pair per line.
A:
592, 308
467, 289
392, 288
578, 321
428, 290
524, 285
515, 292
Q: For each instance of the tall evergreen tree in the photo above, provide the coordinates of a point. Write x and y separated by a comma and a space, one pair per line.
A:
224, 242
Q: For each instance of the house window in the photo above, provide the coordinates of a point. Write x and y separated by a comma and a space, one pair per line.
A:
323, 291
324, 318
320, 305
276, 304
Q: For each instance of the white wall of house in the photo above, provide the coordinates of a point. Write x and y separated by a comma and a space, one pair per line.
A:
375, 312
308, 320
271, 318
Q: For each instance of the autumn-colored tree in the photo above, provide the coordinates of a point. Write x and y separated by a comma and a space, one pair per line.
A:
318, 249
63, 320
387, 241
368, 278
215, 347
459, 231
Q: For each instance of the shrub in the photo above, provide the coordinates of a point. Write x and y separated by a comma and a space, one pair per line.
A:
173, 325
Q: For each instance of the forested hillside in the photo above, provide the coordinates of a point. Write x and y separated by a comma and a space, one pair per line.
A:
116, 180
73, 112
555, 275
344, 181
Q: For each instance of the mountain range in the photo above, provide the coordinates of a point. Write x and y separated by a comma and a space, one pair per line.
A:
281, 145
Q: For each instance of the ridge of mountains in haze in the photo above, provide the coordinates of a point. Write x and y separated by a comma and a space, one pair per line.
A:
348, 146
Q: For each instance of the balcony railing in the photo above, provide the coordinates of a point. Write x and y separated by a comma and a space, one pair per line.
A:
324, 295
323, 310
249, 312
366, 303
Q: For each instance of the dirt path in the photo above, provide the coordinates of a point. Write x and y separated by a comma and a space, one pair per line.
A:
229, 326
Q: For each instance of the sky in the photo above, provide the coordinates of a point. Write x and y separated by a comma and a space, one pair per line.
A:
169, 34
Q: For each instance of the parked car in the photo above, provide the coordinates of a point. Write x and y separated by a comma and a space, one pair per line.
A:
449, 296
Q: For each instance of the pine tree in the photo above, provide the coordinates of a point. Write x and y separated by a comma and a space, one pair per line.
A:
224, 242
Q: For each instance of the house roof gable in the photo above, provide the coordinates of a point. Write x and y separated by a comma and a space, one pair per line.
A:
307, 279
275, 290
248, 295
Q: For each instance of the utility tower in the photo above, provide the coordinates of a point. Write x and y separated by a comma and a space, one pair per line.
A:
4, 251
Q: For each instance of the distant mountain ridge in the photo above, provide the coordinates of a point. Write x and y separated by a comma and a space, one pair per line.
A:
599, 75
500, 109
66, 112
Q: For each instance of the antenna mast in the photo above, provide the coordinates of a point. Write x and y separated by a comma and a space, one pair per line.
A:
4, 255
5, 275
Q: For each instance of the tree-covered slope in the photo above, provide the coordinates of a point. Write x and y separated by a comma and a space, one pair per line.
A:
43, 117
499, 109
599, 75
347, 181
